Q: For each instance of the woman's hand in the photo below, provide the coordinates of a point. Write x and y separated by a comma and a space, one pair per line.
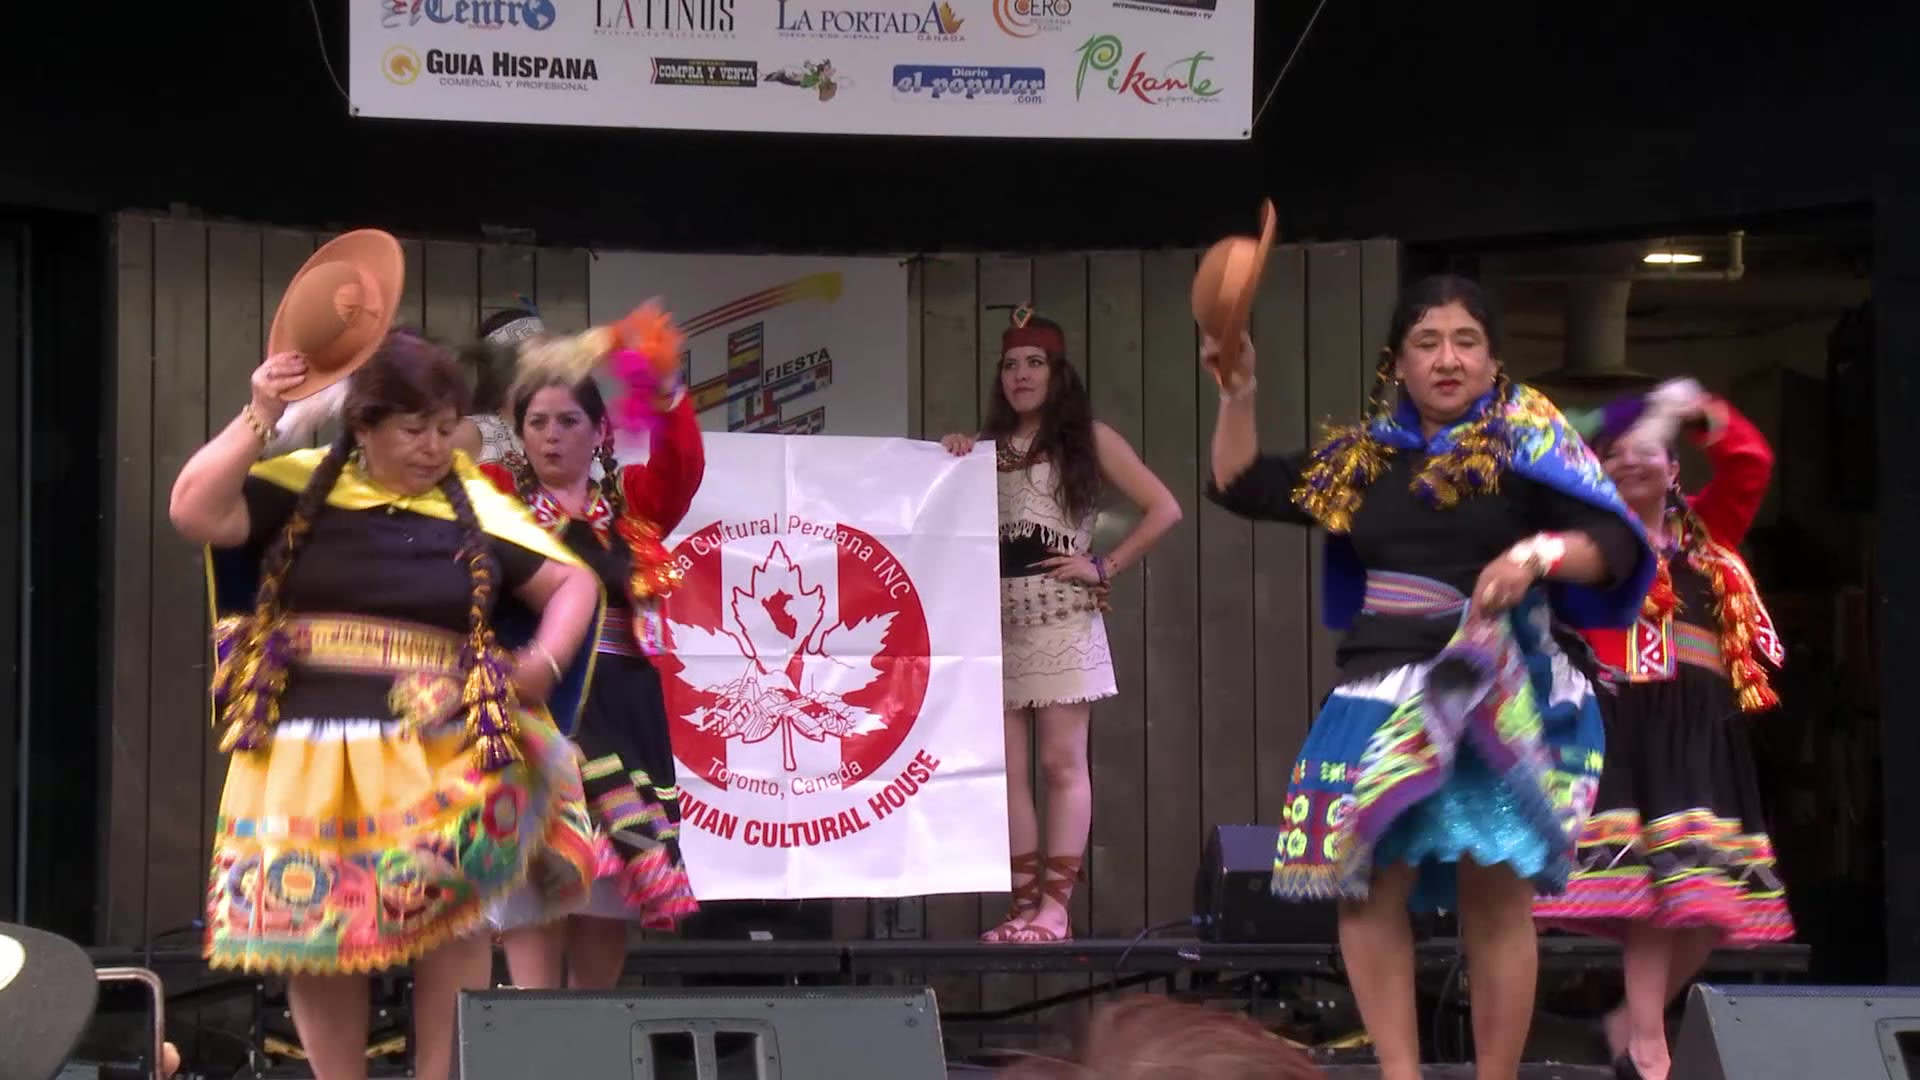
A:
1065, 567
1230, 382
279, 374
1502, 584
533, 675
959, 445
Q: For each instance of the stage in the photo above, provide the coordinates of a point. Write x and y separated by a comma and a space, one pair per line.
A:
216, 1013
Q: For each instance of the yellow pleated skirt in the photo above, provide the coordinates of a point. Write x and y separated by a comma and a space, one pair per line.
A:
352, 846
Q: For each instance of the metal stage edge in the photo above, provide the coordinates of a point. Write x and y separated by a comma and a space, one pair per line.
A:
856, 960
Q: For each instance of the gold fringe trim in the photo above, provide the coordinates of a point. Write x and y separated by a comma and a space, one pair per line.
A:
1335, 481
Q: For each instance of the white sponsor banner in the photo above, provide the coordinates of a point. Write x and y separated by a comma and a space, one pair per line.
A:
788, 345
1061, 69
834, 684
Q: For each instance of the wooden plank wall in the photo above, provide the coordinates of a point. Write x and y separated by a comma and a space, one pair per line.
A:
194, 300
1216, 642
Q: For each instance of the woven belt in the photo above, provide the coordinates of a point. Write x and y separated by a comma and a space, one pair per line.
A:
1697, 645
372, 646
1390, 593
637, 631
616, 634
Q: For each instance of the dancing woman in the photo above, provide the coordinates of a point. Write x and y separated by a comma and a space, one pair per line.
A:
391, 774
1457, 754
1053, 460
1675, 859
615, 525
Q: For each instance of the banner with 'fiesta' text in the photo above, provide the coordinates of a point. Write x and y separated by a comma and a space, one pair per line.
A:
834, 685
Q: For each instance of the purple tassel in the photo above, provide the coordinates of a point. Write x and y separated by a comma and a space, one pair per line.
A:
489, 701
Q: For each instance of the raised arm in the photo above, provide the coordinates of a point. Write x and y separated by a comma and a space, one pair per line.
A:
206, 506
1742, 468
661, 490
1243, 480
1236, 441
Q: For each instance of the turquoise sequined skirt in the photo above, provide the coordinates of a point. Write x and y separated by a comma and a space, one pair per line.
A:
1476, 812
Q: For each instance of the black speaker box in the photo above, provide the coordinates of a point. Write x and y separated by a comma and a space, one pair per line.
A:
681, 1034
1799, 1033
1232, 891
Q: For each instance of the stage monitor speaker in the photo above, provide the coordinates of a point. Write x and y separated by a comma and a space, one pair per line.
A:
701, 1034
1799, 1032
1233, 892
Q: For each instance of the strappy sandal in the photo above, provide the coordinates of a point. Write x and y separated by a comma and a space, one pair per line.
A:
1026, 898
1061, 874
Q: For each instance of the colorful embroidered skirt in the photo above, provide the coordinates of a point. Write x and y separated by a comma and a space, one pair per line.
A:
1678, 837
1490, 752
627, 765
354, 845
1053, 644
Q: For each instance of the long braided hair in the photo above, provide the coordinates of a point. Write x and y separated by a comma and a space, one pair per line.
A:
586, 394
408, 374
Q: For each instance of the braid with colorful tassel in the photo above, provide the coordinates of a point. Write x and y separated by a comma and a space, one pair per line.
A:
487, 694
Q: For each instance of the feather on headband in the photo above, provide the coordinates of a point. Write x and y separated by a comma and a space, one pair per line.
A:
642, 349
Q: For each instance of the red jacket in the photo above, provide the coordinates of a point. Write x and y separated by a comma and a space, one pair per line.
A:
1651, 650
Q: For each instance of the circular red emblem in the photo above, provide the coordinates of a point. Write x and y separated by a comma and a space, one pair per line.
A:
799, 656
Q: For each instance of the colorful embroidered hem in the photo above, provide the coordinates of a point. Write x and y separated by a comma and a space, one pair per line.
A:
346, 848
1688, 870
644, 824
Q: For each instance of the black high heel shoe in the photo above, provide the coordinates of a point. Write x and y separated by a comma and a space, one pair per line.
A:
1625, 1069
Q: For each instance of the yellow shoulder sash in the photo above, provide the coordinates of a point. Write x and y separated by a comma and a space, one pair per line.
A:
501, 515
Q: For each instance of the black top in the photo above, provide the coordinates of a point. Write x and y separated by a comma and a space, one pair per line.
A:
1694, 590
1021, 556
383, 563
611, 562
1395, 530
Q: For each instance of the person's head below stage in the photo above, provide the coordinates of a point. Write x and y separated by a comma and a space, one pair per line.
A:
1150, 1037
1442, 351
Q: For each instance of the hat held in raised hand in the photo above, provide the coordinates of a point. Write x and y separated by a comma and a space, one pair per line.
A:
1226, 283
339, 306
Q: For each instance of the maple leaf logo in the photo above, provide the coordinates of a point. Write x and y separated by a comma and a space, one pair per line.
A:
796, 677
949, 20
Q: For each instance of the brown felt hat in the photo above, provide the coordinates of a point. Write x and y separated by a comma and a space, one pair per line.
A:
1228, 280
339, 306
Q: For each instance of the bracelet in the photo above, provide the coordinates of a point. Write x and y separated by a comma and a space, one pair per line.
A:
552, 664
1541, 554
1242, 394
1100, 567
262, 430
